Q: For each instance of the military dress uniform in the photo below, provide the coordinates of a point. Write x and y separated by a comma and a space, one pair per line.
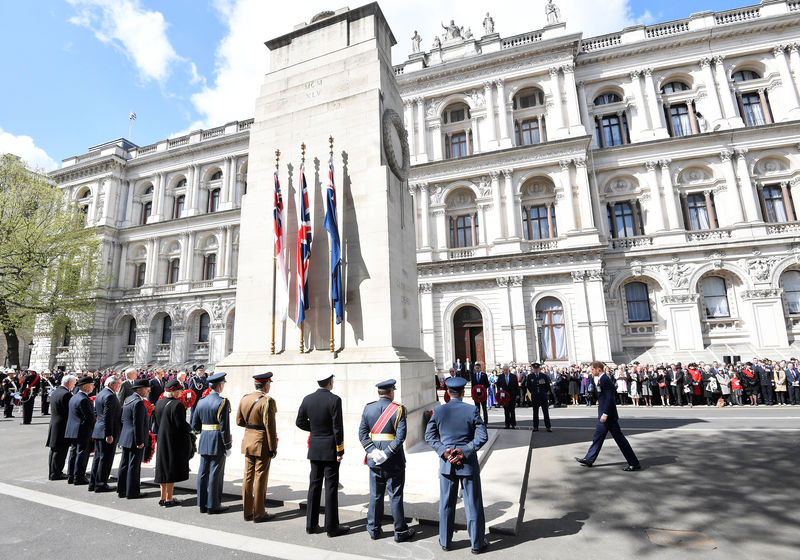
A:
132, 440
29, 392
382, 433
458, 425
108, 423
56, 441
539, 387
79, 429
256, 415
212, 419
321, 414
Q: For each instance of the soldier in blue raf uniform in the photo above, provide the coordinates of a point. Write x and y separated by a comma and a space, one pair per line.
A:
132, 439
80, 424
382, 432
212, 419
456, 432
539, 387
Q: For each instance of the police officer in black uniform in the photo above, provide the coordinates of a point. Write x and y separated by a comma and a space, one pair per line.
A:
321, 414
539, 387
382, 432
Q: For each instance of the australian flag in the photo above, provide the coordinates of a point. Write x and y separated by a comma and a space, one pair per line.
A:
303, 246
332, 225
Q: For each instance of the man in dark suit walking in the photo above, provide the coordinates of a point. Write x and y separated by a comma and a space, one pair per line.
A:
539, 387
79, 429
156, 386
105, 434
321, 414
126, 387
607, 421
509, 382
132, 440
56, 441
480, 378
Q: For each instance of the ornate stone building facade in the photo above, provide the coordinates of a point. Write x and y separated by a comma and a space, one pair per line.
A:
630, 196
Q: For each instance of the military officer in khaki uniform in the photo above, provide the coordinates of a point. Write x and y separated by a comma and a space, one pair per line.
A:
260, 445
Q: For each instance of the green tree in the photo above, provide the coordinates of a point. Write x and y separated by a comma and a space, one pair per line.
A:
49, 260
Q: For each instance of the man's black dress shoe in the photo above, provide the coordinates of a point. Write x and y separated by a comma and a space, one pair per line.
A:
216, 511
482, 549
312, 530
407, 536
104, 488
263, 519
202, 509
339, 531
583, 462
630, 468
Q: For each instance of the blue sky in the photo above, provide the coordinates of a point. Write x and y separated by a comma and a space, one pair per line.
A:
74, 69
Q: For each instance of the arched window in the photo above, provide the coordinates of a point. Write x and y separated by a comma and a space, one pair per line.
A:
791, 287
552, 329
715, 296
213, 200
179, 203
141, 269
774, 204
173, 271
468, 334
202, 330
456, 112
86, 194
148, 190
181, 184
147, 209
607, 98
216, 176
132, 332
67, 335
210, 266
674, 87
166, 330
528, 98
745, 76
638, 303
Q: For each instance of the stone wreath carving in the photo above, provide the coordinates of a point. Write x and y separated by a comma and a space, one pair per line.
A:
393, 121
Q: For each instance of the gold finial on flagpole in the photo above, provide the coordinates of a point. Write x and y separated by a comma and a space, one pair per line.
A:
277, 158
330, 139
303, 151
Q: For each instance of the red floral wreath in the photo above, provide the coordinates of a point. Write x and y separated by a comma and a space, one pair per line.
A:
188, 398
149, 406
503, 397
152, 449
446, 396
206, 393
479, 394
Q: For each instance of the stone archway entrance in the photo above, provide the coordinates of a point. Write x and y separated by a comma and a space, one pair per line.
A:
468, 334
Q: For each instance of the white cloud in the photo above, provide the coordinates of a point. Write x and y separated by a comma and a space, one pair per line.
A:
138, 33
242, 59
24, 147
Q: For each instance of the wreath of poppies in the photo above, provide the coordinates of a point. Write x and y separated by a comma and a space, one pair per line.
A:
503, 397
447, 396
206, 393
188, 398
149, 406
479, 394
150, 451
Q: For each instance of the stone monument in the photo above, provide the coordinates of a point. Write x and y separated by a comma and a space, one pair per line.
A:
332, 77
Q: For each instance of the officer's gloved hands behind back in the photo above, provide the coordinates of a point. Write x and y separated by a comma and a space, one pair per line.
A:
380, 456
227, 452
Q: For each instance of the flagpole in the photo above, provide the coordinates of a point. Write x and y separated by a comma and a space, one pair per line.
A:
274, 265
303, 322
330, 258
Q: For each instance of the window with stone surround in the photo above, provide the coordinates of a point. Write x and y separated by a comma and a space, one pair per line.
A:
166, 330
203, 323
624, 219
637, 302
715, 297
790, 280
213, 200
141, 269
209, 266
180, 200
699, 211
612, 130
457, 131
529, 117
752, 97
538, 222
132, 332
173, 271
776, 202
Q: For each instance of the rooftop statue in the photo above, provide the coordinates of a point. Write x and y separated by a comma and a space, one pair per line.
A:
553, 13
452, 31
415, 42
488, 24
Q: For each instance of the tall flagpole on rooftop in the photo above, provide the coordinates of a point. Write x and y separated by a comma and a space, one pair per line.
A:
131, 118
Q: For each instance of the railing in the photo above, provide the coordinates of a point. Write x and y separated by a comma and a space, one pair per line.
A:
176, 142
794, 5
783, 228
523, 39
201, 346
146, 150
721, 325
603, 42
399, 69
540, 245
663, 30
639, 330
213, 133
733, 16
129, 349
706, 235
203, 284
245, 125
631, 242
464, 253
165, 289
162, 349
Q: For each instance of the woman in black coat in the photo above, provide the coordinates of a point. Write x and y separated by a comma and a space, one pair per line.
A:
174, 444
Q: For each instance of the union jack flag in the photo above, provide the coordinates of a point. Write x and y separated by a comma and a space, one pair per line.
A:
281, 278
303, 246
332, 225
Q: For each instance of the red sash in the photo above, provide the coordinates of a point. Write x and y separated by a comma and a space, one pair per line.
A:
29, 387
384, 418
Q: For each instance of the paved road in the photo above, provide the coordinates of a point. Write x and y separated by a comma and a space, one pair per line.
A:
716, 484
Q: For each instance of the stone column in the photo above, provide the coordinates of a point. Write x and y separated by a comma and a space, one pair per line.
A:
95, 215
787, 201
502, 112
229, 251
762, 98
641, 123
436, 141
669, 195
483, 235
656, 114
193, 192
655, 219
123, 267
190, 257
422, 156
222, 247
441, 231
558, 111
498, 209
512, 211
749, 195
573, 110
692, 117
794, 59
794, 188
584, 195
127, 215
767, 310
409, 105
788, 84
623, 130
183, 274
152, 261
724, 88
159, 195
733, 209
491, 140
426, 319
106, 199
683, 321
516, 313
715, 112
550, 229
425, 219
564, 206
710, 211
584, 110
476, 145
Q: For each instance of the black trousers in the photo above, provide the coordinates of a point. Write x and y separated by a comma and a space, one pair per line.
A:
768, 394
8, 409
27, 410
482, 407
58, 456
601, 431
73, 451
83, 448
45, 404
510, 415
329, 471
536, 403
130, 473
103, 460
677, 395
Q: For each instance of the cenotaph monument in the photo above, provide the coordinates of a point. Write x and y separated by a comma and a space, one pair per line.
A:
332, 77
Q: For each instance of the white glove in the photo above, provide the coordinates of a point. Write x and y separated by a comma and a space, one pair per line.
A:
227, 452
380, 457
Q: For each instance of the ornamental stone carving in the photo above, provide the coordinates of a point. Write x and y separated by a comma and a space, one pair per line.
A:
436, 194
762, 294
426, 288
760, 269
680, 299
678, 274
578, 275
509, 281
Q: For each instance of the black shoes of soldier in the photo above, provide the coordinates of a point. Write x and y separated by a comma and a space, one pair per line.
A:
216, 511
263, 519
339, 531
549, 430
58, 476
583, 462
202, 509
103, 488
312, 530
407, 536
482, 549
631, 468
